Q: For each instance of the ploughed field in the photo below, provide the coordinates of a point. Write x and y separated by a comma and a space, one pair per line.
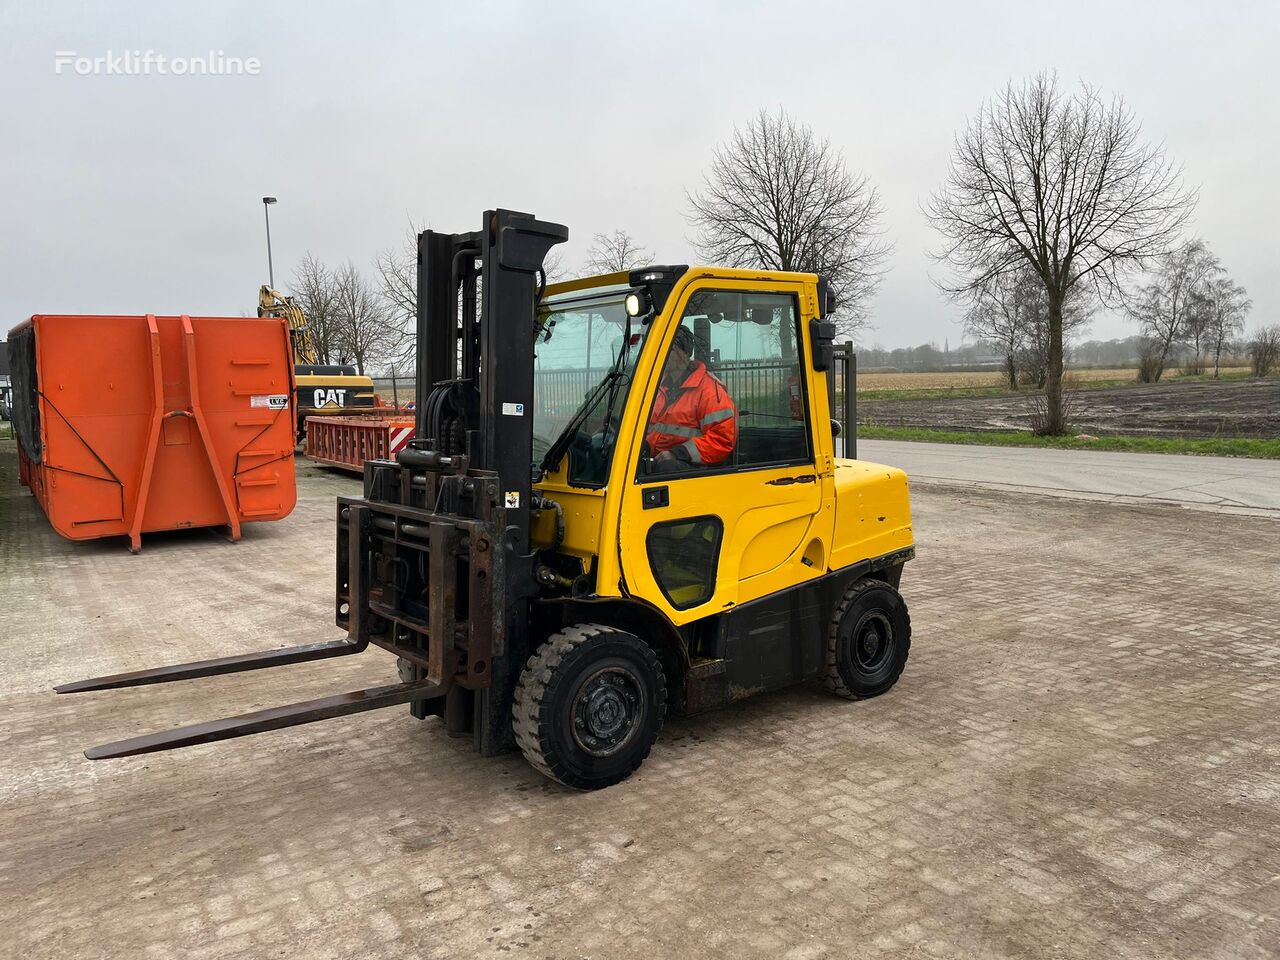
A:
974, 379
1224, 408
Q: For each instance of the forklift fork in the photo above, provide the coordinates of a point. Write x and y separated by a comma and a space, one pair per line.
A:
216, 666
272, 718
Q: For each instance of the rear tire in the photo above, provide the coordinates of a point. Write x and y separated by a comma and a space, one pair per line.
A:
589, 705
868, 642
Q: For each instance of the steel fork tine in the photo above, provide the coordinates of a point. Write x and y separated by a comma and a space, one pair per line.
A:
273, 718
216, 666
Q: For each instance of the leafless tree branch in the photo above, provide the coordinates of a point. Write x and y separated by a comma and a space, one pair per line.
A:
365, 324
614, 253
1173, 308
397, 269
1064, 184
314, 289
1011, 312
779, 198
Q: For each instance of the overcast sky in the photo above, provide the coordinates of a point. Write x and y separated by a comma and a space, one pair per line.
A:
141, 194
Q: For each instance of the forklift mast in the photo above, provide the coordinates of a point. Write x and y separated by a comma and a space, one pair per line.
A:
433, 562
477, 296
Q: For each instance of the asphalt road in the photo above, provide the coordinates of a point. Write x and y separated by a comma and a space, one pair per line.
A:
1223, 484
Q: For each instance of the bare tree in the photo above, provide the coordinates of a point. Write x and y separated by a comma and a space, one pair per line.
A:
365, 324
1061, 182
779, 198
1168, 306
1264, 350
1228, 304
1033, 358
553, 268
1195, 329
315, 290
614, 253
397, 269
1011, 312
997, 315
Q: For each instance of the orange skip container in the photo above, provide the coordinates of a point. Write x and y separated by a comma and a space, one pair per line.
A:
129, 425
347, 442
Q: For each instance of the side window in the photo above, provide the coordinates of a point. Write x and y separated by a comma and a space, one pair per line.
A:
683, 555
731, 394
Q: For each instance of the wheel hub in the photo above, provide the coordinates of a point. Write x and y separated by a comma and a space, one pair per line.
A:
605, 711
873, 642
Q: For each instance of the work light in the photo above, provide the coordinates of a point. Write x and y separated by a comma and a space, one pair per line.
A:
637, 303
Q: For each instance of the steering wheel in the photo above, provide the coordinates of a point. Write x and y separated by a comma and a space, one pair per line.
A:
601, 444
580, 446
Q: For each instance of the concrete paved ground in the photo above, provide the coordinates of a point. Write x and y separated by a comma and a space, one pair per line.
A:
1220, 484
1082, 760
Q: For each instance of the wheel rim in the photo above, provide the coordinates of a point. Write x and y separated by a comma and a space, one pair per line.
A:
872, 643
607, 710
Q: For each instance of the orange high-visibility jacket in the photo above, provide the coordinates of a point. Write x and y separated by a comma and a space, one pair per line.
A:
696, 421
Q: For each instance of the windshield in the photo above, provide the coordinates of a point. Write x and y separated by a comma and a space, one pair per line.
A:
585, 354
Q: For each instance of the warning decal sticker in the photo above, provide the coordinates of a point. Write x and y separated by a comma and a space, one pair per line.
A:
272, 401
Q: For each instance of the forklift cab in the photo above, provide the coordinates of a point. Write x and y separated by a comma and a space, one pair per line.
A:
743, 569
711, 534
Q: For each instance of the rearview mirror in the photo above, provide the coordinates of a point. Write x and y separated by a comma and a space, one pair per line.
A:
826, 299
823, 334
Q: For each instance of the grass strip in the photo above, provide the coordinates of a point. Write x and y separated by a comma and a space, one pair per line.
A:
1198, 446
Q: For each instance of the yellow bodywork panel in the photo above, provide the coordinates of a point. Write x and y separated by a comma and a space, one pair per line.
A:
583, 509
321, 390
777, 526
873, 512
357, 384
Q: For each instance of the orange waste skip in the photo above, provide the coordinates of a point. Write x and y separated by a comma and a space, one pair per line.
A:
347, 442
129, 425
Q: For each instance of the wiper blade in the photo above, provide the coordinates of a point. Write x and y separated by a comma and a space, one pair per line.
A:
561, 446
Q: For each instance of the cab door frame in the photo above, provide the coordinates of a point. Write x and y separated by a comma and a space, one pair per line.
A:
752, 503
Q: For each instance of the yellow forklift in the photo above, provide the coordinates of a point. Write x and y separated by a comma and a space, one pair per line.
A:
321, 389
623, 501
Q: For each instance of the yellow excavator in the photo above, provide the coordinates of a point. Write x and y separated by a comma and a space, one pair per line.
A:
322, 389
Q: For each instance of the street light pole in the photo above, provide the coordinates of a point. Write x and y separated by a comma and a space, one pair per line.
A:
266, 212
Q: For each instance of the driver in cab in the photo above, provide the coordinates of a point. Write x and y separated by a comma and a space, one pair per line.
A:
694, 422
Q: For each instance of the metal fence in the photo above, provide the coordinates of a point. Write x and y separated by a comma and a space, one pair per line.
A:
398, 391
762, 387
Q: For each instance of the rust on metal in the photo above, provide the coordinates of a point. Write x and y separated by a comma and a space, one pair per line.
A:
420, 578
216, 666
480, 612
273, 718
442, 568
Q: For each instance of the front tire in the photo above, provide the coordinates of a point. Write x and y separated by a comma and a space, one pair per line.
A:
868, 642
589, 705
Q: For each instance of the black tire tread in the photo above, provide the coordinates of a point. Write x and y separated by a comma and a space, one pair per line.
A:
529, 720
831, 678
